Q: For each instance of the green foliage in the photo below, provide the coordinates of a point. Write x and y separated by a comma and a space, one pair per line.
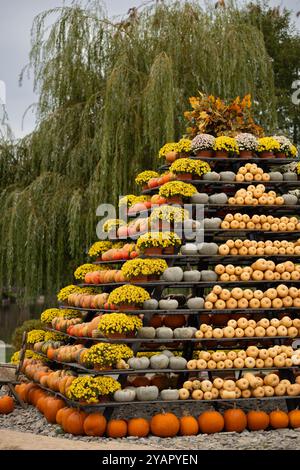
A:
28, 325
110, 95
282, 41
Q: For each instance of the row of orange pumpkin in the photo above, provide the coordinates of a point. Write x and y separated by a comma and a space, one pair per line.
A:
78, 422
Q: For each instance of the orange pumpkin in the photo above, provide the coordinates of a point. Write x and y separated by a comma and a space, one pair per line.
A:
36, 395
257, 420
30, 393
174, 321
164, 425
22, 391
294, 418
210, 422
51, 407
156, 321
235, 420
60, 414
188, 426
116, 428
161, 381
7, 405
74, 423
94, 425
279, 419
64, 416
41, 403
138, 427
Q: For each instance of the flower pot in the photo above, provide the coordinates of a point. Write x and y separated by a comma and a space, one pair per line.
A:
280, 155
221, 154
126, 307
153, 250
266, 154
138, 279
116, 336
185, 176
174, 200
170, 250
99, 367
205, 153
246, 154
145, 187
153, 277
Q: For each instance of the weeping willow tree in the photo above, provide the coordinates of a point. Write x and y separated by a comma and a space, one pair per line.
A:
110, 94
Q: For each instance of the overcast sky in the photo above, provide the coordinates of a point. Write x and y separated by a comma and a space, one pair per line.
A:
15, 22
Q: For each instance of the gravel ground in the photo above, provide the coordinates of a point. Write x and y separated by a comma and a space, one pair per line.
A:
31, 421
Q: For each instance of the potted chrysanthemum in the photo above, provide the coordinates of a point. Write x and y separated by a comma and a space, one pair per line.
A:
225, 146
202, 145
175, 191
188, 169
247, 144
287, 149
268, 147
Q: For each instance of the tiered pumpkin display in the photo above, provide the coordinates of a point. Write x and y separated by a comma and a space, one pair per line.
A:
227, 324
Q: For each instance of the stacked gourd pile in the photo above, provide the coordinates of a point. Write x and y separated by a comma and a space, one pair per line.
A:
97, 328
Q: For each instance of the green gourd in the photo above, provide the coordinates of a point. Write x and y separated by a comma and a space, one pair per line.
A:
290, 176
174, 274
146, 332
125, 395
163, 332
208, 248
147, 393
208, 276
195, 303
189, 249
290, 199
139, 363
192, 276
227, 176
159, 361
167, 353
151, 304
211, 176
177, 363
168, 304
169, 394
199, 198
276, 176
183, 333
220, 198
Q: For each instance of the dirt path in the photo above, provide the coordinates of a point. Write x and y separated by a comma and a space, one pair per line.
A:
14, 440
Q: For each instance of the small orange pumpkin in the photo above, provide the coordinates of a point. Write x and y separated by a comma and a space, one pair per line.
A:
51, 407
74, 423
164, 425
174, 321
138, 427
235, 420
188, 426
210, 422
279, 419
7, 405
116, 428
257, 420
94, 425
294, 418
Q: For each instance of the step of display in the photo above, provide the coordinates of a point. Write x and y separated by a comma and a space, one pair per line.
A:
229, 207
242, 161
177, 340
188, 311
100, 406
288, 185
213, 259
74, 365
204, 284
220, 232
